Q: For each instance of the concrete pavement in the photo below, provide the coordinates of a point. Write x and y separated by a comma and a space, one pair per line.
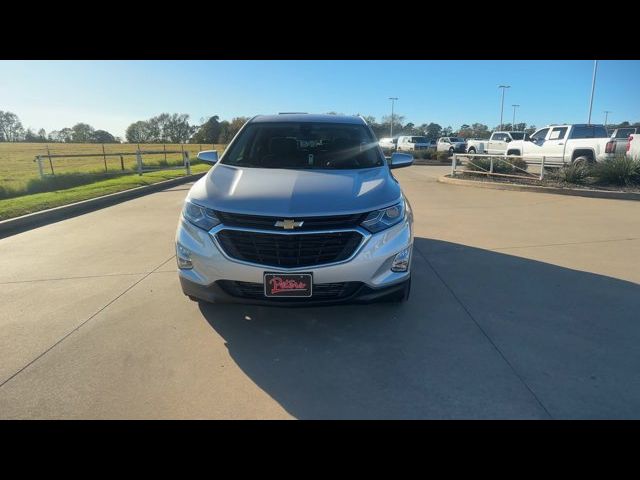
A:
523, 305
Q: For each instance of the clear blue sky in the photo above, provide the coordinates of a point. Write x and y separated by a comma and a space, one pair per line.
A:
112, 94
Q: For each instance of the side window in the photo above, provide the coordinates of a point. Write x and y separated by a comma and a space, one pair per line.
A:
499, 137
558, 133
589, 131
540, 135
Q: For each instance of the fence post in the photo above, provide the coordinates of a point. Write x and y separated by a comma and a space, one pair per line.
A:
164, 147
542, 169
104, 156
121, 163
491, 165
139, 161
187, 163
50, 162
453, 165
40, 170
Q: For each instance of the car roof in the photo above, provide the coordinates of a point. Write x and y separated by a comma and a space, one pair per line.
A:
307, 117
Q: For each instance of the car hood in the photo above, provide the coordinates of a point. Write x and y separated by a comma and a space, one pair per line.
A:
288, 192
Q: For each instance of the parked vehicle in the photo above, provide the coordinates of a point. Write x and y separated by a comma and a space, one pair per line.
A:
410, 143
633, 146
451, 145
621, 135
388, 143
300, 209
561, 144
497, 143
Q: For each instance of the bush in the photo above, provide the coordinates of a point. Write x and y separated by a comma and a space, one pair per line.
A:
425, 154
442, 156
576, 173
620, 170
519, 164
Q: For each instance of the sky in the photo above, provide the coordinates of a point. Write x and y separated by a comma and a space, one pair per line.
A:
110, 95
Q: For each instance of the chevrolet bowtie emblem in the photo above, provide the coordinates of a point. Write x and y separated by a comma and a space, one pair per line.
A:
288, 224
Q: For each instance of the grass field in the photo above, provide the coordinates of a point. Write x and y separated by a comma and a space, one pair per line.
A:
14, 207
17, 165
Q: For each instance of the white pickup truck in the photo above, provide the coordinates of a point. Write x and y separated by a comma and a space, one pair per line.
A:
562, 144
633, 146
497, 143
621, 135
451, 145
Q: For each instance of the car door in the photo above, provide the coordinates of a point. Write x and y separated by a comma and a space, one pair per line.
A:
554, 145
497, 145
535, 149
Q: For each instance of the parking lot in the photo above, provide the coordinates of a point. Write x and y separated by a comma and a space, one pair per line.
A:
523, 305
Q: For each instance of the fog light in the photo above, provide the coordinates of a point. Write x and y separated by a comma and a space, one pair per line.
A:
401, 261
183, 257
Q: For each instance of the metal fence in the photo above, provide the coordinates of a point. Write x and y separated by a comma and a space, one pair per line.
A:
495, 160
140, 167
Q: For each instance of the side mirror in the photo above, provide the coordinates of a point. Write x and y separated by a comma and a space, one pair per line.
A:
507, 139
208, 156
400, 160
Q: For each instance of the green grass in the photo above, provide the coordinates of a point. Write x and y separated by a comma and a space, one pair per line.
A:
14, 207
18, 168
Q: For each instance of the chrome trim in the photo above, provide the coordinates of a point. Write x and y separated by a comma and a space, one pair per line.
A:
366, 235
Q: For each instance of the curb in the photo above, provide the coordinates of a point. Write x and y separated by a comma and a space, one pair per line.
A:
535, 188
23, 223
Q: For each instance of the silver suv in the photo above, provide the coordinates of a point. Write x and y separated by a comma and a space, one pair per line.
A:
299, 210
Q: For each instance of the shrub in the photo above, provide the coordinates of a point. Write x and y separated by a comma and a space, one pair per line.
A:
620, 170
519, 165
576, 173
425, 154
483, 164
442, 156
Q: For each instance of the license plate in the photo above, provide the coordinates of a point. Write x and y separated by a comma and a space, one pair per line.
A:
288, 285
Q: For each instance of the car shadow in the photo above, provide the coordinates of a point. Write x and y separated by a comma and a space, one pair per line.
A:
484, 335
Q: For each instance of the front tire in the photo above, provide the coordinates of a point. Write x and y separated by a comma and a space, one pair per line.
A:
451, 151
472, 151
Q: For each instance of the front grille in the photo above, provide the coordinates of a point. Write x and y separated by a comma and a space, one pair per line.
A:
333, 222
289, 250
321, 291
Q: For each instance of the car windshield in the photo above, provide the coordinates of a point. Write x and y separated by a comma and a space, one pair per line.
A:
456, 140
419, 139
304, 145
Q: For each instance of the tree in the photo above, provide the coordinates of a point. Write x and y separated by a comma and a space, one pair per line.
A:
433, 131
208, 132
177, 128
102, 136
30, 136
82, 133
159, 127
139, 132
10, 127
42, 135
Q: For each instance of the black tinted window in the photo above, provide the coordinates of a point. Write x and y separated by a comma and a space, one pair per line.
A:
625, 132
305, 145
589, 131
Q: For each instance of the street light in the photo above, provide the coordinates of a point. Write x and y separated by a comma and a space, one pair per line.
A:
606, 116
503, 87
593, 87
393, 99
513, 124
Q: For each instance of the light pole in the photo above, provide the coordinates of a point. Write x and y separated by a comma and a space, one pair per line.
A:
606, 116
593, 88
513, 124
503, 87
393, 99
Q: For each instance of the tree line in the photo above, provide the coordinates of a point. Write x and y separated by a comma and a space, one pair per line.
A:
176, 128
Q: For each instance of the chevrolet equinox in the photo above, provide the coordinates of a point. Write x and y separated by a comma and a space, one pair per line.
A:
299, 210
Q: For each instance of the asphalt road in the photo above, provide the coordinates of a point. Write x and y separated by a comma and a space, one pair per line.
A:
523, 305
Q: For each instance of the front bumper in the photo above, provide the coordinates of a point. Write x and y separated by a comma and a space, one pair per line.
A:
370, 266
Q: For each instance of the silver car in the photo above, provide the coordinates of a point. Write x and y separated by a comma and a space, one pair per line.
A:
300, 210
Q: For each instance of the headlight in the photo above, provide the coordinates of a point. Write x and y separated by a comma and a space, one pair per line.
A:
380, 219
201, 217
